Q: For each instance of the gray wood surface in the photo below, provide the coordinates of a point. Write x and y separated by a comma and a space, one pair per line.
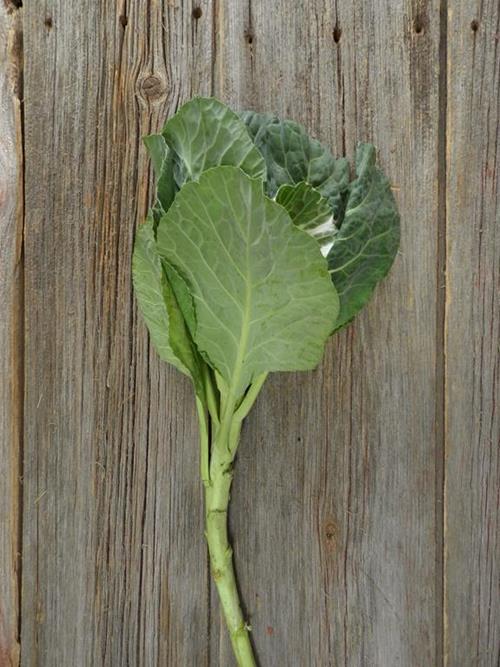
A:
114, 565
365, 505
472, 502
10, 334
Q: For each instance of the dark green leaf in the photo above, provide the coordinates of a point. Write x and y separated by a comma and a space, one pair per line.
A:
292, 156
367, 242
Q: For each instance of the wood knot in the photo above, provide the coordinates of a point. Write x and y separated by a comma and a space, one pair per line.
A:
152, 88
330, 535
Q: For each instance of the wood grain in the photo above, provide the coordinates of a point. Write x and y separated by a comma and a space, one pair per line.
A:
344, 550
114, 557
336, 506
11, 219
472, 576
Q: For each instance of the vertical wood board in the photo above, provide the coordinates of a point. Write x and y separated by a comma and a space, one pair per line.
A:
114, 558
472, 521
11, 219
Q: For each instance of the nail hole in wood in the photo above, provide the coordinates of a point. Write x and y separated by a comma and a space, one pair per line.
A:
197, 13
123, 20
418, 25
48, 22
474, 26
337, 34
249, 37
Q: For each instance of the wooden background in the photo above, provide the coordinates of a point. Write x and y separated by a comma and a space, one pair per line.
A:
365, 511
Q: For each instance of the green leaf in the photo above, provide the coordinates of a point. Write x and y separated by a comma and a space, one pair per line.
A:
309, 211
367, 242
183, 296
262, 293
205, 133
257, 123
157, 150
163, 164
292, 156
151, 290
160, 310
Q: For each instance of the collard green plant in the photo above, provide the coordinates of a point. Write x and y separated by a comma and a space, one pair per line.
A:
258, 247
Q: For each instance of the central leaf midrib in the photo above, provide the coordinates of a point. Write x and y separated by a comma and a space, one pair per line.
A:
245, 322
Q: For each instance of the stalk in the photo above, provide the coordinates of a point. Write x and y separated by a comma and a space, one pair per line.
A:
221, 561
217, 475
225, 442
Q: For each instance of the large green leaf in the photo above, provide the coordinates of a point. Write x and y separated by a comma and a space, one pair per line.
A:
367, 242
309, 211
159, 307
262, 293
205, 133
292, 156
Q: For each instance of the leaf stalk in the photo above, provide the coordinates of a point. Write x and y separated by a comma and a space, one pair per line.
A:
225, 440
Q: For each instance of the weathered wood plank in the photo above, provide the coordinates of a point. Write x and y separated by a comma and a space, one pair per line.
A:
472, 574
336, 515
114, 557
11, 219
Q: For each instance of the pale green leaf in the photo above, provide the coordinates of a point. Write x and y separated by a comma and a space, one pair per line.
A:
157, 150
183, 295
160, 310
151, 290
205, 133
367, 242
263, 297
163, 164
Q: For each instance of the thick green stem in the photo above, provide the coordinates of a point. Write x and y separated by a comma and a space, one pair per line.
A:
221, 555
226, 429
